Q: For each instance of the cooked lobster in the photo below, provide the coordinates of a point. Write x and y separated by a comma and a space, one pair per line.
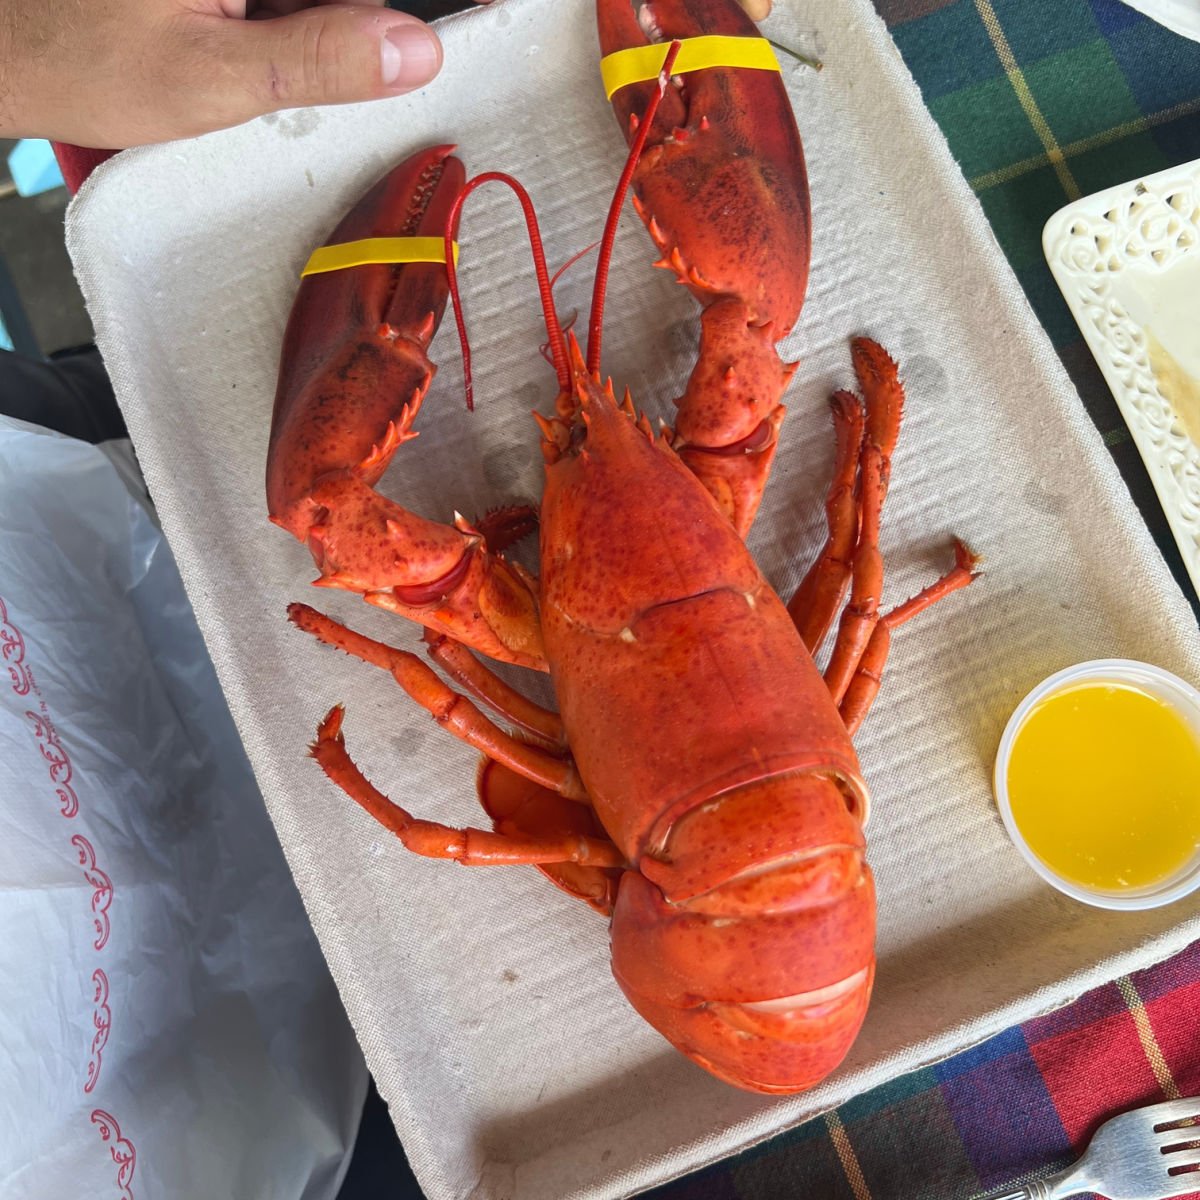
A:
698, 781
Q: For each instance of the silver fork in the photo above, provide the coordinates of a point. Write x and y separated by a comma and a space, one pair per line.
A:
1131, 1157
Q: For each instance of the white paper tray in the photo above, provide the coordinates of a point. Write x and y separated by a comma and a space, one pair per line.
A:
1128, 262
483, 999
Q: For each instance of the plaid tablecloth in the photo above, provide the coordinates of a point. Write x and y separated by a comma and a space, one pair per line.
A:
1042, 101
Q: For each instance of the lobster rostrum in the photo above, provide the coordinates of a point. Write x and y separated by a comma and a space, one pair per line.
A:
698, 782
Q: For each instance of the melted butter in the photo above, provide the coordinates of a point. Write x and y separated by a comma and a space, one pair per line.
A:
1104, 784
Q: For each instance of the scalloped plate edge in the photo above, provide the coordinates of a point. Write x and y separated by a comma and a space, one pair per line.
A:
1152, 221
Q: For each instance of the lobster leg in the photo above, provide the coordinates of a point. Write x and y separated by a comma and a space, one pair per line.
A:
856, 664
822, 590
503, 527
819, 595
861, 614
447, 707
470, 847
519, 808
864, 686
472, 675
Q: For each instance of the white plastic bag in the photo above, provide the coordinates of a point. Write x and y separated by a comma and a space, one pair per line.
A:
168, 1027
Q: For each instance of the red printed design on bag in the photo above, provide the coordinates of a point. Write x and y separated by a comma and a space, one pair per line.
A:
12, 656
60, 762
123, 1153
102, 1019
103, 895
12, 653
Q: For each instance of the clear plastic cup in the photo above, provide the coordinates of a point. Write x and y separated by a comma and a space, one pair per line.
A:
1170, 689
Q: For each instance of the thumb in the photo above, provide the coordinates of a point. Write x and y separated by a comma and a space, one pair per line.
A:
330, 54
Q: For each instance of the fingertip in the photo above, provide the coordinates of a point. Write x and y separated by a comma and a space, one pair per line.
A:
410, 55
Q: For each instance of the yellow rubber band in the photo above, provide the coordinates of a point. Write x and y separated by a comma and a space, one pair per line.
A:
641, 63
377, 250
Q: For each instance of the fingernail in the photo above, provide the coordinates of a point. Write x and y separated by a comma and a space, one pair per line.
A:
409, 56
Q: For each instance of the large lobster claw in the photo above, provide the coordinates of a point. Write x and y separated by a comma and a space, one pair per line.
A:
723, 190
353, 354
353, 374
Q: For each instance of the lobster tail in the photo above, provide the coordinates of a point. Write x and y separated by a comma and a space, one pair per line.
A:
755, 961
776, 1048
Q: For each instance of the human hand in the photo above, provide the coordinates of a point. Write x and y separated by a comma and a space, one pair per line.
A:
117, 73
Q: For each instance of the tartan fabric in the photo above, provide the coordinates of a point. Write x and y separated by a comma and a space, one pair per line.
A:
1005, 1112
1041, 102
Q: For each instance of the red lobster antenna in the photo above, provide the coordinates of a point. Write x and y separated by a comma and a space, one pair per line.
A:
558, 342
614, 213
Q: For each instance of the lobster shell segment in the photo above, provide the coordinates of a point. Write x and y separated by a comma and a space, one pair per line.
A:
777, 1049
764, 976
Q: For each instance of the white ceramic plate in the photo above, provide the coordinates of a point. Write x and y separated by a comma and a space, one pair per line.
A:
1128, 262
1179, 16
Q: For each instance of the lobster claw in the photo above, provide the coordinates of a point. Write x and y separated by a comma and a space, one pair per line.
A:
353, 368
723, 191
353, 373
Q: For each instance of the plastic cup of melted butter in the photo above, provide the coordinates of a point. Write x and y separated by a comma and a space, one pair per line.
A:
1098, 782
